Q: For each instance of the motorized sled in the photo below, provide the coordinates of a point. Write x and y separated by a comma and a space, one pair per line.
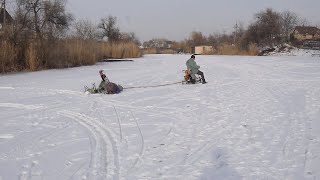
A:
188, 79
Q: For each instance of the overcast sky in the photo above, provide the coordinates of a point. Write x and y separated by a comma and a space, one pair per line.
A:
176, 19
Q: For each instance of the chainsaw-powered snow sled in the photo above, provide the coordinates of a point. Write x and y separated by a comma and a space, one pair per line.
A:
188, 78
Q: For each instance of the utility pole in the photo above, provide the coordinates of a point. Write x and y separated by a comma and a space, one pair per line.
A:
235, 33
3, 6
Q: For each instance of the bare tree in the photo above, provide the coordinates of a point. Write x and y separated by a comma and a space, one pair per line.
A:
85, 29
129, 37
250, 36
45, 18
36, 24
269, 26
109, 29
196, 39
266, 30
213, 40
289, 21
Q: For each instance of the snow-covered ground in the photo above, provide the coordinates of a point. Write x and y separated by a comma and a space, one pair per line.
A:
257, 118
293, 51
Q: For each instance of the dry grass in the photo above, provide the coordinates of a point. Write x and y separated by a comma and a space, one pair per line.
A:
224, 49
63, 53
227, 49
119, 50
32, 57
159, 51
253, 50
8, 58
78, 52
150, 51
168, 51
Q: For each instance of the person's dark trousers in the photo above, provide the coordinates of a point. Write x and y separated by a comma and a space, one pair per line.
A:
202, 76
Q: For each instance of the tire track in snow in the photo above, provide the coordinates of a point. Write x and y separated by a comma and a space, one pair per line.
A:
142, 109
100, 134
151, 110
113, 104
95, 146
142, 145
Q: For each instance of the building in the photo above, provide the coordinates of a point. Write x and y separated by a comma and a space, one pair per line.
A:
5, 18
303, 33
202, 50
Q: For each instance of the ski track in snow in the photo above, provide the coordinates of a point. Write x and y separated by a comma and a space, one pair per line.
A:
6, 88
255, 119
21, 106
100, 134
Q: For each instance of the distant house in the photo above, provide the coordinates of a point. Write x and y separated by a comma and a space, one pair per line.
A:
202, 50
158, 43
7, 20
303, 33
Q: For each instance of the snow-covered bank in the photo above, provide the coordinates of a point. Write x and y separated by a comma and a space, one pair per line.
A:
257, 118
287, 50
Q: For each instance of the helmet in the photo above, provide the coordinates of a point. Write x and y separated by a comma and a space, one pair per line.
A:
102, 75
192, 56
101, 72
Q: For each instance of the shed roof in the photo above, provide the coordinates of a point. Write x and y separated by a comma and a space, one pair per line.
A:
307, 30
9, 19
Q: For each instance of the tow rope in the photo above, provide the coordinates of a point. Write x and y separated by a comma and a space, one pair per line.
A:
168, 84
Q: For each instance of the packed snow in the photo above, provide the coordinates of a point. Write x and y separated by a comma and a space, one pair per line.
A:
256, 118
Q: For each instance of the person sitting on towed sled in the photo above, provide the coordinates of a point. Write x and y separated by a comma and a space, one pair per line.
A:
108, 87
194, 68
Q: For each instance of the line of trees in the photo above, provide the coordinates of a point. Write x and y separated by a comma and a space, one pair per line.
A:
44, 35
269, 28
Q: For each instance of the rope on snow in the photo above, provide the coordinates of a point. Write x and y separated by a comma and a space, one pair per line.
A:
168, 84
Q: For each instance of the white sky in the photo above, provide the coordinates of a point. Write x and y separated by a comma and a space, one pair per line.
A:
176, 19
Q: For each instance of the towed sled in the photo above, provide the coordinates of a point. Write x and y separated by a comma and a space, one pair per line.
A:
105, 87
109, 88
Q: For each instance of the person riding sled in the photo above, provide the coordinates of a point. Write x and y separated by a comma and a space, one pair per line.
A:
194, 68
108, 87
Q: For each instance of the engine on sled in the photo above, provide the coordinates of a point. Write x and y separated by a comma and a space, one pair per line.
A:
188, 78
